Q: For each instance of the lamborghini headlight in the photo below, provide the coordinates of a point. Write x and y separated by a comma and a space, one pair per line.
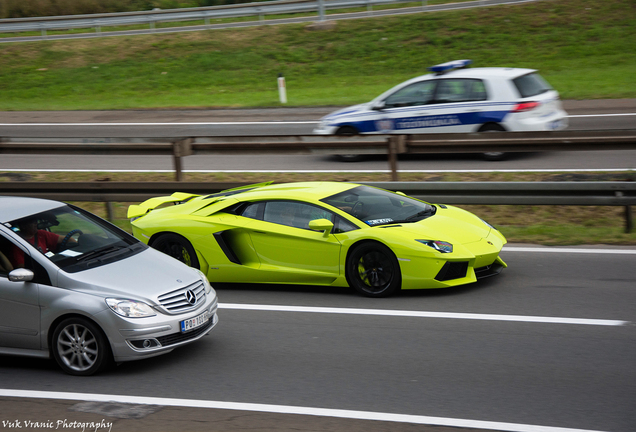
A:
130, 308
439, 246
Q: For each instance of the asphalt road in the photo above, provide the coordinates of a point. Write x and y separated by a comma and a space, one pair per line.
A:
552, 374
585, 115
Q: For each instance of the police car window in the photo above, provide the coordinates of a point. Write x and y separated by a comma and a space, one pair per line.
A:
460, 90
294, 214
419, 93
531, 85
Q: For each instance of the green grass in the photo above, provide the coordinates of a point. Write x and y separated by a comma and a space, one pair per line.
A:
584, 48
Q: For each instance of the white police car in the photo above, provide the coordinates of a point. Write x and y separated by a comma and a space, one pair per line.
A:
455, 99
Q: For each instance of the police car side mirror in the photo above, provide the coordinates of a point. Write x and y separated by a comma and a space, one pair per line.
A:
21, 275
378, 106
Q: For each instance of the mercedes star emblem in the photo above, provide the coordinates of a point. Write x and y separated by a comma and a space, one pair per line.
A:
191, 297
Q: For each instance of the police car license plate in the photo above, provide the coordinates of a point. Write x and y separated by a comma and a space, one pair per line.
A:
197, 321
555, 125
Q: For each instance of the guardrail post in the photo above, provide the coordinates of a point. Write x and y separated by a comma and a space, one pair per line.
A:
180, 148
321, 9
629, 222
110, 214
393, 150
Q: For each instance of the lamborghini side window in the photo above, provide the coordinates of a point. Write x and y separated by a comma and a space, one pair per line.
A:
294, 214
342, 225
252, 211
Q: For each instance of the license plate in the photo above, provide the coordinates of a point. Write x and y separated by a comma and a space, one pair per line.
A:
197, 321
555, 125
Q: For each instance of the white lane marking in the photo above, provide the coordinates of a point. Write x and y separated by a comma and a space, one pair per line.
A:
601, 115
286, 409
422, 314
105, 170
272, 122
165, 123
569, 250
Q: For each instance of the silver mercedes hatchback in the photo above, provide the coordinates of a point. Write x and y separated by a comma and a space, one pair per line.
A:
86, 293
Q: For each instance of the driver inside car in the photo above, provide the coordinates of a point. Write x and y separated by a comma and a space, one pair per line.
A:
43, 240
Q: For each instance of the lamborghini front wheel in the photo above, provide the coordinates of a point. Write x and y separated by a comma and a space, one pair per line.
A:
373, 270
177, 247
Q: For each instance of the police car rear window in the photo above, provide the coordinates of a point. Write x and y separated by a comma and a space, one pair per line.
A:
531, 85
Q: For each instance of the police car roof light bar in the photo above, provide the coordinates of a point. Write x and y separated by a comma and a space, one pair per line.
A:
449, 66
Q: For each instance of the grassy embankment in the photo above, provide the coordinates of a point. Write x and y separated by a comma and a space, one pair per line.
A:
585, 48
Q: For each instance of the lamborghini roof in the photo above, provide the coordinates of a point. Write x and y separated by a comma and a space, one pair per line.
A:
312, 191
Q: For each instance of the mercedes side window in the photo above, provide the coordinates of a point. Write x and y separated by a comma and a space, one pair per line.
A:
7, 248
460, 90
419, 93
5, 254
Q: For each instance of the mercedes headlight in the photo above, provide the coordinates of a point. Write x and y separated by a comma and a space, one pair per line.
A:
439, 246
130, 308
204, 279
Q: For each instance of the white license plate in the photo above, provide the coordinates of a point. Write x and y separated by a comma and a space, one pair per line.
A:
197, 321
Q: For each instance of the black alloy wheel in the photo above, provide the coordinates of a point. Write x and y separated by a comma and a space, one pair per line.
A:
373, 270
177, 247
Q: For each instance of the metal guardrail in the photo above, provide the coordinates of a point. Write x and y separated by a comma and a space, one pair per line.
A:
466, 193
392, 145
257, 9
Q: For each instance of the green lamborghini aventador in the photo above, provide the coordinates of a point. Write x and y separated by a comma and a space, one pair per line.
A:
321, 233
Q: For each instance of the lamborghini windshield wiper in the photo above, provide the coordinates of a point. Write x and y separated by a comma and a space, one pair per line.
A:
429, 212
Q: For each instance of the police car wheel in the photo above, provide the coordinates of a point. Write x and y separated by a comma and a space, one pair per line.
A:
349, 157
493, 156
348, 131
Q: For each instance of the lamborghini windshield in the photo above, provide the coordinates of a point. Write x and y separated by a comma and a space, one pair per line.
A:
380, 207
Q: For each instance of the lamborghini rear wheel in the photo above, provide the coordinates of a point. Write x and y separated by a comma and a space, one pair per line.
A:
177, 247
373, 270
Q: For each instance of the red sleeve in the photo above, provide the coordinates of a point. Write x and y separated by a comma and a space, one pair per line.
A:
50, 239
17, 257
